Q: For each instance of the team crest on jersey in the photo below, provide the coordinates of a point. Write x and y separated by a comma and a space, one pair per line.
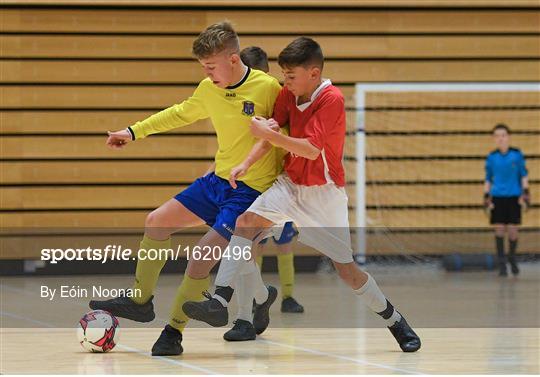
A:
249, 108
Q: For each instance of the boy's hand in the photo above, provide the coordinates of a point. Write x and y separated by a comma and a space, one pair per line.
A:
525, 199
260, 127
488, 204
237, 172
118, 139
274, 126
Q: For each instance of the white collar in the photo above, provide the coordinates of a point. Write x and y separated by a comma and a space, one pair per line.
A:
324, 84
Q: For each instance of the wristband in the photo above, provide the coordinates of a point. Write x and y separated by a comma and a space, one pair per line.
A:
131, 133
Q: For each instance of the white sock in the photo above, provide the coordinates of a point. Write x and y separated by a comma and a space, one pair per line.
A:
244, 295
230, 267
252, 276
373, 297
395, 317
221, 300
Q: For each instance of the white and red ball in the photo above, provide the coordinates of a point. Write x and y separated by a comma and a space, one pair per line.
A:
98, 331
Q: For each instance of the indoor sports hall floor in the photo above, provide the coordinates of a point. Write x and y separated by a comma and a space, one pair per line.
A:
469, 323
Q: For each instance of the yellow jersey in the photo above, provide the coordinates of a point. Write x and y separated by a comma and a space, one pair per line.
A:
230, 111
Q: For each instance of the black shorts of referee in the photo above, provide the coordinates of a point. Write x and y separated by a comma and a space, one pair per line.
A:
506, 210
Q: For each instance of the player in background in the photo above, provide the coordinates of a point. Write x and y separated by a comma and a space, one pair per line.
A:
230, 96
256, 58
310, 192
506, 191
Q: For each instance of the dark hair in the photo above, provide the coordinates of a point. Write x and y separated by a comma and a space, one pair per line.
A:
501, 126
215, 39
255, 57
304, 52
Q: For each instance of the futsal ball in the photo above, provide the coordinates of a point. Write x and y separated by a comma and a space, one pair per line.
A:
98, 331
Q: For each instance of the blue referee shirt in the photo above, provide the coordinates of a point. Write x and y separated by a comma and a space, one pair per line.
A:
504, 172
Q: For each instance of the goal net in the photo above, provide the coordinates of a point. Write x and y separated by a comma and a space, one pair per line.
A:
416, 162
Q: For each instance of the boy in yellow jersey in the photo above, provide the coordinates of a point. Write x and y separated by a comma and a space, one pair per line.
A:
230, 96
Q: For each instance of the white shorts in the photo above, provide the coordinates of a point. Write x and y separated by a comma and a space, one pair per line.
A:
319, 212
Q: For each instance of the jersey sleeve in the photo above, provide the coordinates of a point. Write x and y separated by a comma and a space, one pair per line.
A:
273, 93
179, 115
321, 122
522, 167
281, 110
489, 170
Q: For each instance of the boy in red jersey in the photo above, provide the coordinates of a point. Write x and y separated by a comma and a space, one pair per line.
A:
310, 192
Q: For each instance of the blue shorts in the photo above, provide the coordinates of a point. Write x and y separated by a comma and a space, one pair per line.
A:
214, 200
287, 235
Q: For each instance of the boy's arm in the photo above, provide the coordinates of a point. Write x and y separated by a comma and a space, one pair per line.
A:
487, 196
526, 194
187, 112
257, 152
487, 185
182, 114
265, 129
297, 146
316, 131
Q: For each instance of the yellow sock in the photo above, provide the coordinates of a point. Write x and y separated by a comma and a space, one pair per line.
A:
147, 273
286, 274
259, 261
190, 290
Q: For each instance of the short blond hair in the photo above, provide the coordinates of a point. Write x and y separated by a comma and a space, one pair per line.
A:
215, 39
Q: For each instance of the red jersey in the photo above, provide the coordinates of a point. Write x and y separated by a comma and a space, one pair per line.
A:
322, 123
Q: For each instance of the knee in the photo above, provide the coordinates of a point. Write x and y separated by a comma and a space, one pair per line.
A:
197, 269
249, 225
500, 230
247, 219
513, 233
155, 228
152, 220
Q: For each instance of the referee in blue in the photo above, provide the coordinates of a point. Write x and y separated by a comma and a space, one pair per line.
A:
506, 191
